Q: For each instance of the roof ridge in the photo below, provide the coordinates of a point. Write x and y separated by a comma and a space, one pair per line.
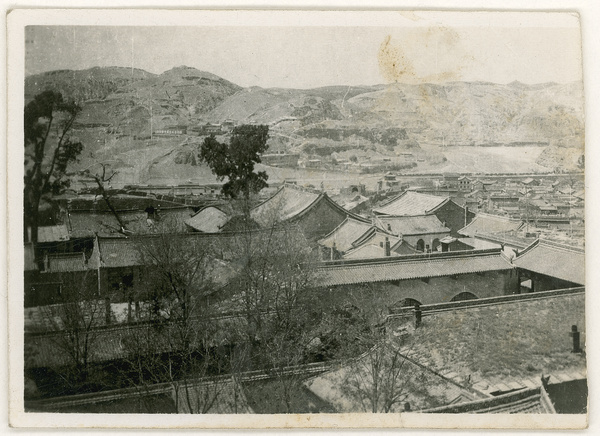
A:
446, 201
412, 257
563, 246
494, 216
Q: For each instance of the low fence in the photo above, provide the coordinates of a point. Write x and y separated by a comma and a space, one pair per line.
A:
430, 309
168, 387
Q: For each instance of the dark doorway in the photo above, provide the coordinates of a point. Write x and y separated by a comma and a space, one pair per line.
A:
463, 296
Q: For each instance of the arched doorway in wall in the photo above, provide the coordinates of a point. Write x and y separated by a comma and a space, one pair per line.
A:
409, 302
403, 304
435, 245
420, 245
463, 296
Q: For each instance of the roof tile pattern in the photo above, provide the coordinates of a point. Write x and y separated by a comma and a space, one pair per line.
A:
554, 260
415, 267
487, 223
411, 203
285, 204
67, 262
345, 234
208, 220
53, 233
499, 347
412, 225
525, 401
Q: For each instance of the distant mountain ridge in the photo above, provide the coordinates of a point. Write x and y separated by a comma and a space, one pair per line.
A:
446, 114
82, 85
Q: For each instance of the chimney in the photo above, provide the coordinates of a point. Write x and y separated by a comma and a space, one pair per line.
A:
576, 340
388, 250
418, 315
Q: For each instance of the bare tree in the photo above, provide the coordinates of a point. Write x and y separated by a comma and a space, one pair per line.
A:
378, 374
276, 291
175, 344
75, 320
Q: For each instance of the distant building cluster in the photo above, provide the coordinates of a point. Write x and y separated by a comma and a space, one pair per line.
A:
199, 130
431, 258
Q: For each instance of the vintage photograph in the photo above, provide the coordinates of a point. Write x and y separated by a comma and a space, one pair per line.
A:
304, 213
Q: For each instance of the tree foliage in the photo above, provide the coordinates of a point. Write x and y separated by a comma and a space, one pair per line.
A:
49, 149
237, 159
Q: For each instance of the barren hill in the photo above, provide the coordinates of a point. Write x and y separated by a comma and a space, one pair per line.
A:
382, 120
83, 85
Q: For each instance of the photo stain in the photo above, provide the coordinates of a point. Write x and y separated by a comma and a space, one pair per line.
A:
393, 63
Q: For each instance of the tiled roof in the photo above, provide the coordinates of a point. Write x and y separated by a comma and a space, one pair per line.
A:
423, 388
86, 224
506, 345
412, 225
345, 234
553, 259
285, 204
208, 220
53, 233
291, 202
47, 350
119, 252
533, 400
487, 223
412, 267
67, 262
411, 203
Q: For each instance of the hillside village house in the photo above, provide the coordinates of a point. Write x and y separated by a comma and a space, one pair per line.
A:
171, 130
465, 183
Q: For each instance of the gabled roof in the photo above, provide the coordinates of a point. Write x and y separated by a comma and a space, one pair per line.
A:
374, 236
528, 181
403, 248
412, 267
291, 202
487, 223
53, 233
285, 204
411, 225
412, 203
553, 259
345, 234
210, 219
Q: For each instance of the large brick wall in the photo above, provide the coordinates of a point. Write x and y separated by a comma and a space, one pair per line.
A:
435, 290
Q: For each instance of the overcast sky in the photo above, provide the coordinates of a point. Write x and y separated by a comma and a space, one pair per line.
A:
305, 57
